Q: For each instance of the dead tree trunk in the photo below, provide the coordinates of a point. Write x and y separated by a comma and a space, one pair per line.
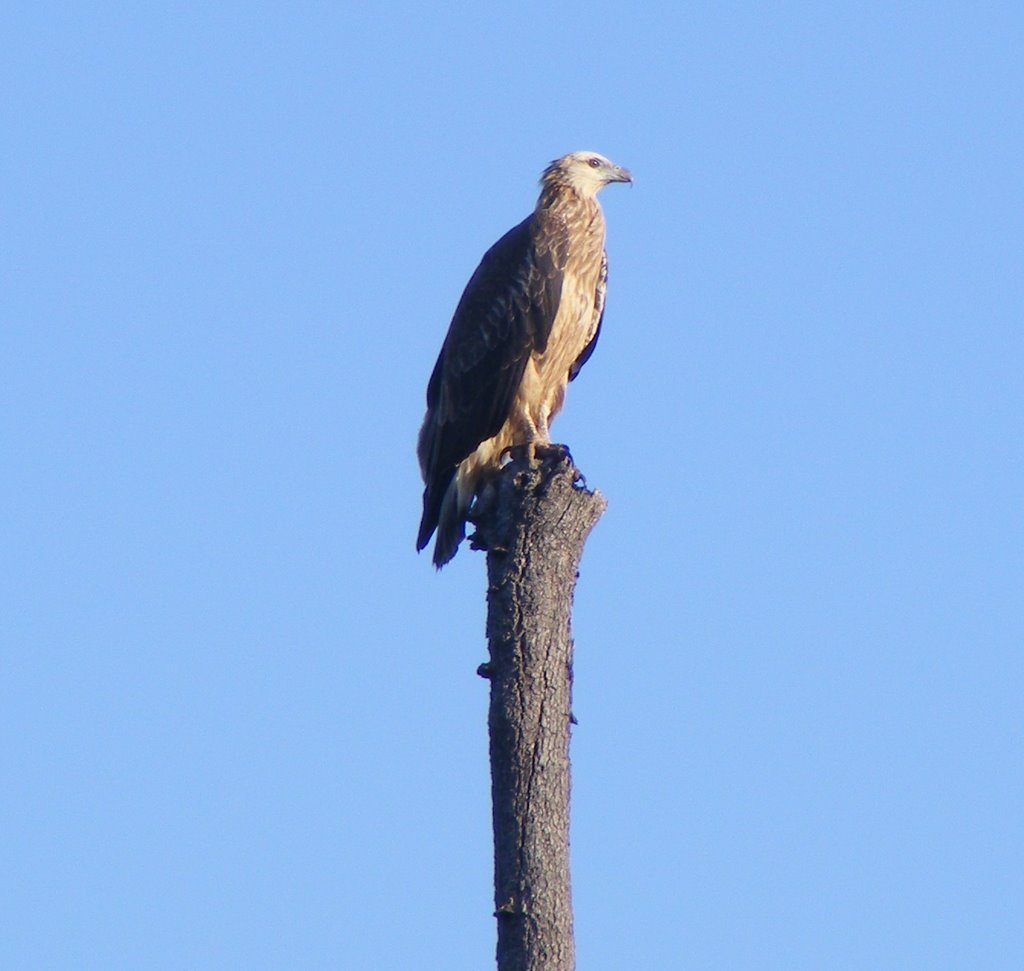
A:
533, 525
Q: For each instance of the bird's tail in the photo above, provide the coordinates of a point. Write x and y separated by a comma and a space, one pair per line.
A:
445, 511
451, 525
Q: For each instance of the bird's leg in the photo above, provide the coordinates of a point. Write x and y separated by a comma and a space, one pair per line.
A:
543, 448
543, 432
535, 446
538, 438
529, 436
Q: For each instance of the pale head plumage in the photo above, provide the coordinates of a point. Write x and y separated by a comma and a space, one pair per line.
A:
584, 172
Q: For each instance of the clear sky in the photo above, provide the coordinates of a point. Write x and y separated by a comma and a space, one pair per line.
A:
239, 721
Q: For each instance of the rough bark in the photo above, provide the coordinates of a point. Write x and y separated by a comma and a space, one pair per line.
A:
533, 523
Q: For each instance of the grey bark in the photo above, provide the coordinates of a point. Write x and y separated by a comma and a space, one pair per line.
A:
533, 522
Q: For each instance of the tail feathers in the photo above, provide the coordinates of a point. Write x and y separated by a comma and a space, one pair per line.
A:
431, 509
442, 511
451, 527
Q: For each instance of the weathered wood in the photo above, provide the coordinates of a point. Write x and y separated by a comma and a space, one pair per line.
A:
533, 523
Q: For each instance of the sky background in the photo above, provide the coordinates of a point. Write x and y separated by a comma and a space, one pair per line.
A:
240, 725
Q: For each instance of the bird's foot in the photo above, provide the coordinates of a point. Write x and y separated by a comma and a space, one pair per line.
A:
551, 452
536, 453
551, 455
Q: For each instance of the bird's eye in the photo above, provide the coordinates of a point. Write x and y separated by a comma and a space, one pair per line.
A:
594, 163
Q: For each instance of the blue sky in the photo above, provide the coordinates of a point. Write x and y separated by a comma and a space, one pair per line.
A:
239, 720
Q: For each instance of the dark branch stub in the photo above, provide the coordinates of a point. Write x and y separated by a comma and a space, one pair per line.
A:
533, 521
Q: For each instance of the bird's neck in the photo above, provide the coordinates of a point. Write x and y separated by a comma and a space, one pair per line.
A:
562, 197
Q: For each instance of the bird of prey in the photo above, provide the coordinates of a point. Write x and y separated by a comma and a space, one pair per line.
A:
527, 322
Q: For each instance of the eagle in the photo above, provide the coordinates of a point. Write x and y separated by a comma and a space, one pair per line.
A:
527, 322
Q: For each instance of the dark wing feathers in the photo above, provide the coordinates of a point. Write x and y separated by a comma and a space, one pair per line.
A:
505, 313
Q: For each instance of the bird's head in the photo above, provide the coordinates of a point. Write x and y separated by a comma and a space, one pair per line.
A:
585, 172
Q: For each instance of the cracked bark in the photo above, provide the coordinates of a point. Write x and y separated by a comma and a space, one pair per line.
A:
533, 523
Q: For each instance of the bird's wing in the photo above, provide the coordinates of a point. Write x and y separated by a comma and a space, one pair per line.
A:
506, 312
599, 294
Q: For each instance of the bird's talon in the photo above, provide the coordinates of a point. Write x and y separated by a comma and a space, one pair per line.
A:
553, 452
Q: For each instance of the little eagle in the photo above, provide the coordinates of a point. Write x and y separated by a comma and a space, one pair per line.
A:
527, 321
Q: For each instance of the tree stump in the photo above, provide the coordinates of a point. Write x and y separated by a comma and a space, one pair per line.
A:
533, 521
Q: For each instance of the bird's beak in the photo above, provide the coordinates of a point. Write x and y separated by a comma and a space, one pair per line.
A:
619, 174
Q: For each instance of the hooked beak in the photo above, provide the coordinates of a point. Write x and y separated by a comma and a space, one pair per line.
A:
619, 174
